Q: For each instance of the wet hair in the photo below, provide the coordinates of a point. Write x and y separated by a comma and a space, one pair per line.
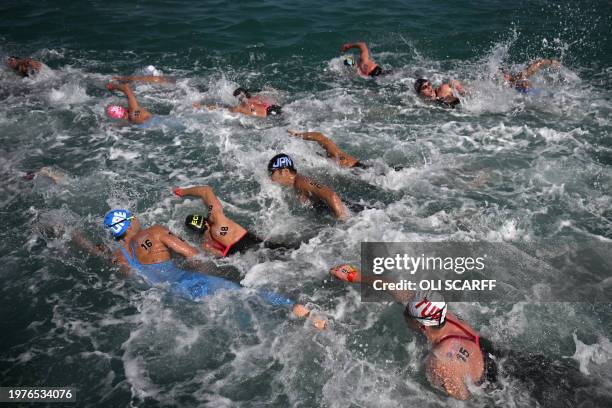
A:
240, 91
418, 84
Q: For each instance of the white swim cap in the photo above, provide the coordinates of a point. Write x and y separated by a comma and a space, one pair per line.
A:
151, 70
429, 310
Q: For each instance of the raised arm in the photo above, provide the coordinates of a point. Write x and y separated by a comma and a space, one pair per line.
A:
364, 53
349, 273
333, 151
538, 65
136, 113
209, 198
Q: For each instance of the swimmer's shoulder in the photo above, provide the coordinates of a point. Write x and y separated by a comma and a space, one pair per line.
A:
157, 229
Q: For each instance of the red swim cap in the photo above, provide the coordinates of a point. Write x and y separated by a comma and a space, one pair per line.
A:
116, 111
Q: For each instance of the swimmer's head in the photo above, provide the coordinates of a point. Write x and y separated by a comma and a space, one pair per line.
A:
197, 223
423, 87
349, 61
241, 93
12, 62
273, 110
281, 169
429, 311
118, 221
116, 112
505, 74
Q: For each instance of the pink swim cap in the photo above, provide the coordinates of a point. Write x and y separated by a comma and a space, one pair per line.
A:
116, 111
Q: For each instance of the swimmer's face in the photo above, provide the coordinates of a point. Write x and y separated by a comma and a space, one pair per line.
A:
12, 62
282, 176
134, 226
427, 91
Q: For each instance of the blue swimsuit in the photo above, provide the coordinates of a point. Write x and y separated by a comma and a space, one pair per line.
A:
192, 285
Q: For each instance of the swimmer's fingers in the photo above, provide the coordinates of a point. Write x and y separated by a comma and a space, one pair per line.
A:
196, 105
555, 63
178, 191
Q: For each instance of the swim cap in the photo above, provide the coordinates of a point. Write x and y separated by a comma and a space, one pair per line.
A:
349, 61
116, 111
430, 310
419, 84
280, 161
240, 91
273, 110
151, 70
195, 222
118, 221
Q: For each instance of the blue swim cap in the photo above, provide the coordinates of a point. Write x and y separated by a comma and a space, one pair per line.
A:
118, 221
280, 161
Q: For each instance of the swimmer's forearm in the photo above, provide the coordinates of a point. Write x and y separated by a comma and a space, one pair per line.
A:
538, 65
148, 79
337, 206
344, 159
132, 101
204, 192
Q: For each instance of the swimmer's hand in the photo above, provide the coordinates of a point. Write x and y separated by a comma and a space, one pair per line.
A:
457, 86
346, 272
111, 86
305, 135
178, 191
301, 311
555, 64
345, 47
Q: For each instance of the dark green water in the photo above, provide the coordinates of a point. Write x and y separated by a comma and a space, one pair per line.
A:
504, 167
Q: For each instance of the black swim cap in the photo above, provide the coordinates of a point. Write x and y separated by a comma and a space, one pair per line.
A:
419, 84
274, 110
281, 161
196, 222
241, 90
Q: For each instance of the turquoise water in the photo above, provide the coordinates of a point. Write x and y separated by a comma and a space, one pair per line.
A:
504, 167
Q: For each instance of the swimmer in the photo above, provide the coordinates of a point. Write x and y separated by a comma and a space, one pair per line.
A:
520, 80
221, 235
53, 174
250, 105
460, 357
366, 66
343, 159
148, 252
24, 66
149, 79
282, 171
442, 95
134, 113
